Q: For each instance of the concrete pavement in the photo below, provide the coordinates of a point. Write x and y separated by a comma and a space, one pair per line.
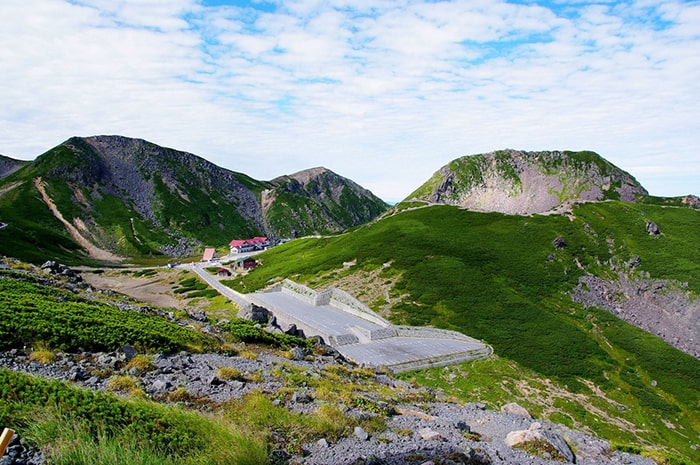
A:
353, 329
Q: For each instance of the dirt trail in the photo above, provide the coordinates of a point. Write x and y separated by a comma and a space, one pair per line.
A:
92, 250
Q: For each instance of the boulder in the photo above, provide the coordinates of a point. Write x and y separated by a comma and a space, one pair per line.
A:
361, 434
429, 434
549, 439
559, 243
128, 351
160, 386
297, 354
515, 409
652, 228
254, 313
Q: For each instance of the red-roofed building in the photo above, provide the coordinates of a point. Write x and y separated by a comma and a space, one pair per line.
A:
209, 254
249, 245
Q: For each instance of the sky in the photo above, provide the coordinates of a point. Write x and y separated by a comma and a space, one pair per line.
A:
384, 92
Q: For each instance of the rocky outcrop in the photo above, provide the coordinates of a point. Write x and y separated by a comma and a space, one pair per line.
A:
664, 308
9, 165
550, 444
517, 182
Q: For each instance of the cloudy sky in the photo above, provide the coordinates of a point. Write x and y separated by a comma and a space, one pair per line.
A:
384, 92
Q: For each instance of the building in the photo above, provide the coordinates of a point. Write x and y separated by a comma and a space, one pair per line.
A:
223, 272
209, 254
246, 263
249, 245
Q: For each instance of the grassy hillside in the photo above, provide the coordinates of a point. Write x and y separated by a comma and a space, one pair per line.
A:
502, 279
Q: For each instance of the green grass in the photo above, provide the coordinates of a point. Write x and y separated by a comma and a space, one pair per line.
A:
85, 427
78, 426
499, 278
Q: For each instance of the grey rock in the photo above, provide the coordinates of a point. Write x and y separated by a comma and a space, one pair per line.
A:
515, 409
297, 353
537, 433
254, 313
301, 398
652, 228
429, 434
160, 386
360, 433
279, 457
128, 351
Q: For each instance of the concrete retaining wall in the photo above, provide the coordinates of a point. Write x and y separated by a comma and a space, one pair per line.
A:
440, 361
334, 297
432, 333
367, 335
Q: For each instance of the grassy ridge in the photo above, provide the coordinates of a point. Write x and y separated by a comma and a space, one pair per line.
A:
500, 278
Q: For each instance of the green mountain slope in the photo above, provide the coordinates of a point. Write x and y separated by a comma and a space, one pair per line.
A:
508, 279
107, 196
513, 181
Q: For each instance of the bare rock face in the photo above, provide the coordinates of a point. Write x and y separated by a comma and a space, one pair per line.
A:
517, 182
662, 307
9, 165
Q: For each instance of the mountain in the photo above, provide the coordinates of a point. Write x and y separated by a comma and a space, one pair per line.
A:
336, 203
115, 196
517, 182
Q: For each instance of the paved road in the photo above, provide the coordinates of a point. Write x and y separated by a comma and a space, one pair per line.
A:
207, 277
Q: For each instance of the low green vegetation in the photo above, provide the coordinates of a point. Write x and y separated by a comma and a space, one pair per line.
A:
502, 279
241, 330
32, 312
192, 287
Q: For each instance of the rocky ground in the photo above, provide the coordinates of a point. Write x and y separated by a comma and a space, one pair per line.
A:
436, 431
661, 307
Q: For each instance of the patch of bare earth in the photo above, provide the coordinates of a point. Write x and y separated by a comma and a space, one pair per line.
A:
9, 187
156, 290
92, 250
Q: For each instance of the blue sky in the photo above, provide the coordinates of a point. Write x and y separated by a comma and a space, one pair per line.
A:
384, 92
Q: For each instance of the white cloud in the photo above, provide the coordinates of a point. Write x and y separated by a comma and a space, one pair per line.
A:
382, 92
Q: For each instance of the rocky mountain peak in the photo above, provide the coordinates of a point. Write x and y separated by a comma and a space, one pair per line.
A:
520, 182
305, 176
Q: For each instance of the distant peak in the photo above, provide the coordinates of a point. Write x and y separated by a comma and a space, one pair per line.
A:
521, 182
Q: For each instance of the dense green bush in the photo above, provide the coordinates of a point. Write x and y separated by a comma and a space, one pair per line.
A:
241, 330
31, 313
